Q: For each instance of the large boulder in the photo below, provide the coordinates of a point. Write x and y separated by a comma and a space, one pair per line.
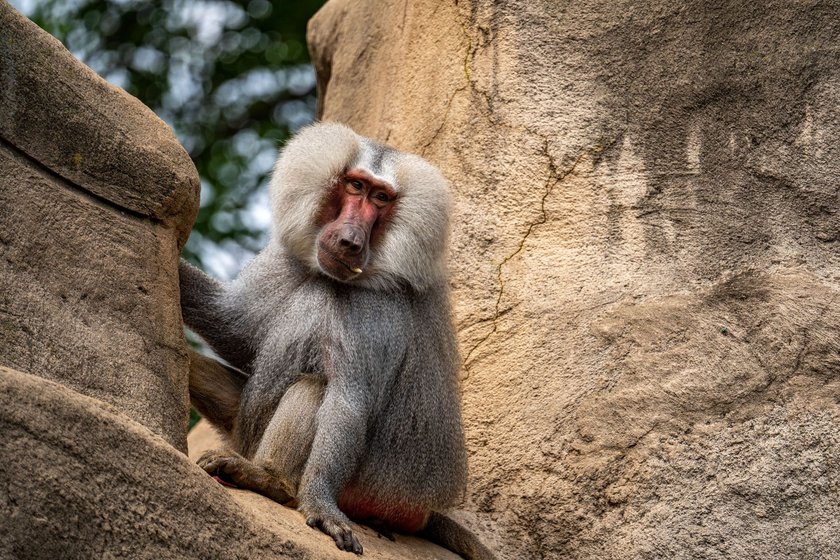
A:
96, 200
645, 262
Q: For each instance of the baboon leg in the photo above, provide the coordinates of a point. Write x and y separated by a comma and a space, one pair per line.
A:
287, 441
215, 391
278, 463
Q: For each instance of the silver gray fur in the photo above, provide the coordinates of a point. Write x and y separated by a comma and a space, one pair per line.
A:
347, 382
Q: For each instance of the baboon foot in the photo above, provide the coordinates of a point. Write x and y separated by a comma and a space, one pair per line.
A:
338, 527
232, 468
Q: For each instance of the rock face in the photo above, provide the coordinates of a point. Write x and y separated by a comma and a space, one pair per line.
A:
646, 262
96, 199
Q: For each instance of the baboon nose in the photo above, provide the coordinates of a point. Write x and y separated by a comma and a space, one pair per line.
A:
351, 240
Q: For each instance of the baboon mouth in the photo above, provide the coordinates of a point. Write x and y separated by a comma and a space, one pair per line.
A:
335, 258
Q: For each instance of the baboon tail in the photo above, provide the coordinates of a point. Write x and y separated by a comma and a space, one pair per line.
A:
215, 390
453, 536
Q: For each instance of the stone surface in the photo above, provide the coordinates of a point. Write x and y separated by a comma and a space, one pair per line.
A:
646, 259
96, 199
82, 480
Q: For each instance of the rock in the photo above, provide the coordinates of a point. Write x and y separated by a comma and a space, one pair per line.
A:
645, 260
96, 199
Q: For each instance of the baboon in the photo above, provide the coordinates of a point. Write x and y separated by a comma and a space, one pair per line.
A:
343, 395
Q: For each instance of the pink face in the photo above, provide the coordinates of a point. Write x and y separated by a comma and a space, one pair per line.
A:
353, 219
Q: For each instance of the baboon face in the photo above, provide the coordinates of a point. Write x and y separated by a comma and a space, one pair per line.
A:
354, 216
359, 212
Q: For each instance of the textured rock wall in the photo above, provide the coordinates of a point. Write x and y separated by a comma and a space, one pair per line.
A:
96, 199
646, 261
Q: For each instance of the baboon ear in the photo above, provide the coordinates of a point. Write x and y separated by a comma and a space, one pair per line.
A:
413, 251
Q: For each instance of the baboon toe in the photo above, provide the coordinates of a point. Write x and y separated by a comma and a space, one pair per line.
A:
341, 533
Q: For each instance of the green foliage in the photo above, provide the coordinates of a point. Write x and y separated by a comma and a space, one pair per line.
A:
194, 418
232, 78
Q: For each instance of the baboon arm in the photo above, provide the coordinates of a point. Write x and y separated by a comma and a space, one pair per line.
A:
338, 445
204, 312
199, 296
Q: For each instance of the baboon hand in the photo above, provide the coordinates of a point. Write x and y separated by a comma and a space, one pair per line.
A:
336, 526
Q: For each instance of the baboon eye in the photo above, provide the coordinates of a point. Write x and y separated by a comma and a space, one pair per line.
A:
356, 184
382, 196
